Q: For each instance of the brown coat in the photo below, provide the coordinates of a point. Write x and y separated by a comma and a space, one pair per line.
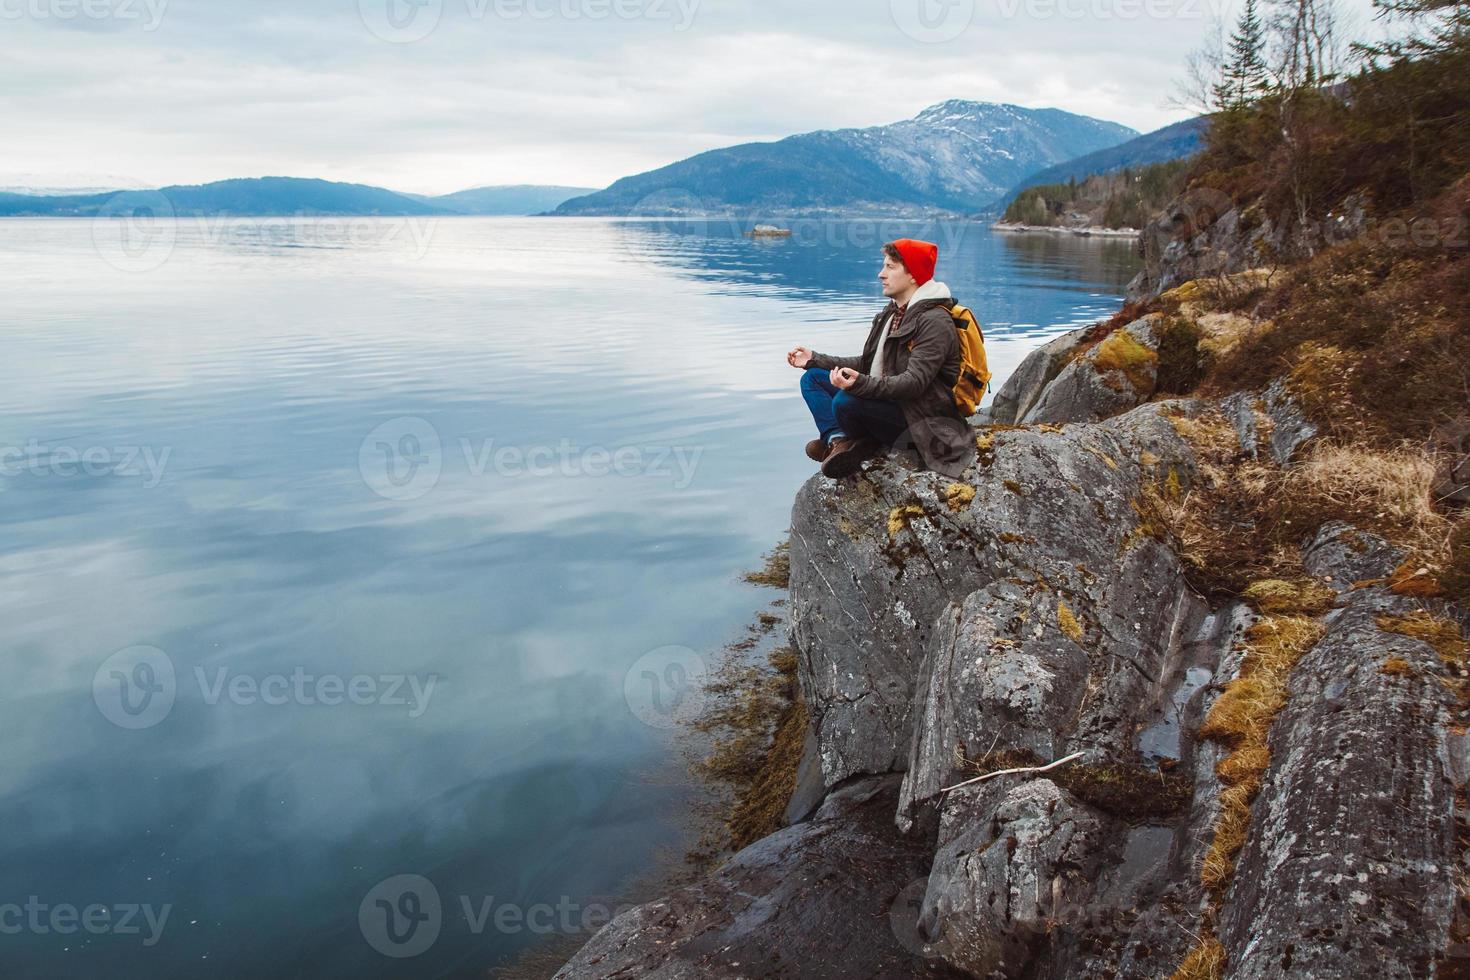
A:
921, 362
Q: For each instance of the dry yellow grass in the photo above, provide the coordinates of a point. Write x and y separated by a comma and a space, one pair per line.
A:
1243, 519
1205, 962
1207, 433
1244, 764
1230, 833
1274, 595
1380, 489
1241, 718
1441, 634
1215, 291
1221, 333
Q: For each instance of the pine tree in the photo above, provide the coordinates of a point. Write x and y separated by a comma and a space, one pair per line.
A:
1245, 76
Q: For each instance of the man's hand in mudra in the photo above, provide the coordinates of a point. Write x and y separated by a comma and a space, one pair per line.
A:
844, 378
799, 357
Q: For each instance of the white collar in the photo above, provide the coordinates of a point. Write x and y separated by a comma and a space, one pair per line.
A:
933, 289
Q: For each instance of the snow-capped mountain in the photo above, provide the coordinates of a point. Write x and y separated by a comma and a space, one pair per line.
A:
57, 184
957, 156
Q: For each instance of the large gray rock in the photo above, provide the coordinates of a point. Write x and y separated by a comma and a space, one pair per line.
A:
881, 566
1350, 866
1027, 382
1202, 234
1111, 377
1031, 607
1123, 899
1011, 862
1272, 417
1005, 672
1341, 555
863, 603
818, 900
1062, 382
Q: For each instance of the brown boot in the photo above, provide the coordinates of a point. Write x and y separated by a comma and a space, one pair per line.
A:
818, 450
847, 456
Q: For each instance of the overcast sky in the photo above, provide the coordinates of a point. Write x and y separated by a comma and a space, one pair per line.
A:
439, 95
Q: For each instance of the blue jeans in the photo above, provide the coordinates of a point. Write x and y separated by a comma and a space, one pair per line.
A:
839, 414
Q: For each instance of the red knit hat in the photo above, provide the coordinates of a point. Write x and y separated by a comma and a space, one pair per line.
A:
918, 257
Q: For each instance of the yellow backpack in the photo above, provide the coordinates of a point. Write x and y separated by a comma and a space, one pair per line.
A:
969, 388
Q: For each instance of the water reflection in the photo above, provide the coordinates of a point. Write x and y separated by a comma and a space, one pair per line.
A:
527, 578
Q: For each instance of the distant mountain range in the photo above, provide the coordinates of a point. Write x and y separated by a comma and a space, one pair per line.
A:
258, 196
73, 183
957, 157
1173, 142
506, 200
954, 157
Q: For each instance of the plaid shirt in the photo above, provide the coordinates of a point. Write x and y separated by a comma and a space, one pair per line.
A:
888, 328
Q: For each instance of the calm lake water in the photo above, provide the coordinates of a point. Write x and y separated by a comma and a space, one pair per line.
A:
338, 551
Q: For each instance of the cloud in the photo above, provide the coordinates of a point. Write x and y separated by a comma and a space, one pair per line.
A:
538, 91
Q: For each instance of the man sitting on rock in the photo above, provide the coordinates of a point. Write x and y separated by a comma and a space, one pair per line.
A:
901, 388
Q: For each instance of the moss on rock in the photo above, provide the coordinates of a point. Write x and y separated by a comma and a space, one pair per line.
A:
1122, 354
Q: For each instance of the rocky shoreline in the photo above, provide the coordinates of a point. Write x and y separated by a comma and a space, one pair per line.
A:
1087, 231
1272, 777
